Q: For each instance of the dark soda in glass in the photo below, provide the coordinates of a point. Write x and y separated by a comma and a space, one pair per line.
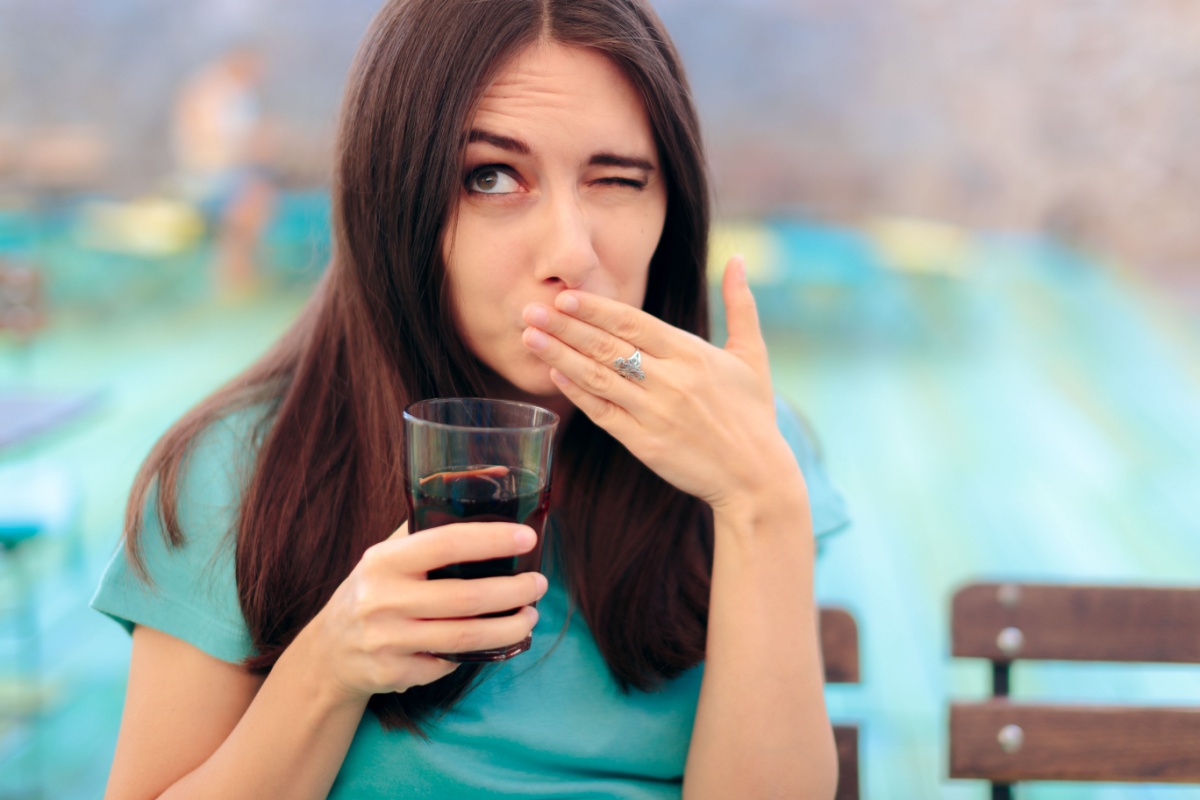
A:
482, 494
471, 459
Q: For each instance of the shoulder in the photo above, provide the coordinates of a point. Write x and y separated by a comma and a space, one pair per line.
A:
191, 591
829, 510
216, 469
220, 461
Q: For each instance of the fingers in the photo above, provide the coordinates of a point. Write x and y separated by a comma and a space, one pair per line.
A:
487, 633
648, 333
451, 544
605, 413
599, 379
451, 598
583, 337
741, 314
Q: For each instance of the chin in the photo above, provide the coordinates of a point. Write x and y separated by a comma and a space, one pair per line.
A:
536, 383
528, 377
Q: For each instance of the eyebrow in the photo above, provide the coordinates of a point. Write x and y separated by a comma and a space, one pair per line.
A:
614, 160
519, 147
496, 140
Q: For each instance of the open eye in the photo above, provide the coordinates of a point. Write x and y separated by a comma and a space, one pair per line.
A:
492, 180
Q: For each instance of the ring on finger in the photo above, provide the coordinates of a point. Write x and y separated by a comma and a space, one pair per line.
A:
631, 367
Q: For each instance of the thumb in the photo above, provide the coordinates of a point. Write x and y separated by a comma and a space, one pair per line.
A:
741, 313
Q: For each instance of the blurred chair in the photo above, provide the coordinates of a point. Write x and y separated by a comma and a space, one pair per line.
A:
1007, 742
22, 308
22, 301
839, 651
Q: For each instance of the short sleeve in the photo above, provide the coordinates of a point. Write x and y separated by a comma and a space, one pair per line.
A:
828, 505
192, 594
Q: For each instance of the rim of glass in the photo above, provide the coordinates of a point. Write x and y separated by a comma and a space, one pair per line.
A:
550, 423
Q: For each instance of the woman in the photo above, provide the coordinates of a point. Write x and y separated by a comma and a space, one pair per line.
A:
520, 201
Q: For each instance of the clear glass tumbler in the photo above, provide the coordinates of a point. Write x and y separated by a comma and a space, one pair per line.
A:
478, 460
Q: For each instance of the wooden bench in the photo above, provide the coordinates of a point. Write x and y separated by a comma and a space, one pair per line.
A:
1007, 742
839, 650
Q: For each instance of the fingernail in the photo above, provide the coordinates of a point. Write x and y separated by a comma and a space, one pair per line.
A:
524, 536
540, 581
567, 302
739, 264
536, 315
535, 338
559, 378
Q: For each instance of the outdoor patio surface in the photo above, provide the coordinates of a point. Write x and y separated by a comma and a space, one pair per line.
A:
1033, 415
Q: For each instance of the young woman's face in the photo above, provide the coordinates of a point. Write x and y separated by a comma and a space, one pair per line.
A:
562, 190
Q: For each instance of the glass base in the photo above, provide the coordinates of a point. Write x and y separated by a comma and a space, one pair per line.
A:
483, 656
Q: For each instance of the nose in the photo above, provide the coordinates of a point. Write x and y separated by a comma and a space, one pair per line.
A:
566, 253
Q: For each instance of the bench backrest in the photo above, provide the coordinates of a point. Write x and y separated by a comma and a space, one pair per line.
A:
839, 652
1006, 742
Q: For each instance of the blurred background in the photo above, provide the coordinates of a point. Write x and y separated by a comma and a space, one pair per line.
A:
973, 228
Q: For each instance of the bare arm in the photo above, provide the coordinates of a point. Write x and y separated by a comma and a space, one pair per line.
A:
227, 732
195, 726
703, 418
762, 729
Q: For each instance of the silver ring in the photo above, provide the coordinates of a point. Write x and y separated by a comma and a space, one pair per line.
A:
631, 367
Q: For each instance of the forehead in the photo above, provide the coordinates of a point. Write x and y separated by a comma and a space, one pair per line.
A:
551, 93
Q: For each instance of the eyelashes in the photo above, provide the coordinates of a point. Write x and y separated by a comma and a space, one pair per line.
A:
491, 179
628, 182
500, 179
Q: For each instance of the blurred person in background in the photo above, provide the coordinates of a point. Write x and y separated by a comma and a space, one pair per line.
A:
520, 204
221, 144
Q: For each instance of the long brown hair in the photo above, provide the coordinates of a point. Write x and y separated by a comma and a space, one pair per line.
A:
378, 334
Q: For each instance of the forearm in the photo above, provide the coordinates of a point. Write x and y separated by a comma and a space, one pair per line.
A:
761, 725
290, 742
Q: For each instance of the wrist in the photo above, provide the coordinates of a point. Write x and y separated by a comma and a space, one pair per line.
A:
311, 656
777, 494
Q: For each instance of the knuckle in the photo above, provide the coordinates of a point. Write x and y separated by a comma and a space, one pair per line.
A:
471, 599
598, 379
626, 327
605, 414
614, 350
382, 674
364, 598
467, 638
373, 642
371, 560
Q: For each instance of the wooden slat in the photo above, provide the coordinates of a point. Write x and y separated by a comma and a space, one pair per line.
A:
1078, 623
1076, 743
839, 645
846, 737
839, 651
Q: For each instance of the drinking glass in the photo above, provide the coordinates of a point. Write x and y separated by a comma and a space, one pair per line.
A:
477, 460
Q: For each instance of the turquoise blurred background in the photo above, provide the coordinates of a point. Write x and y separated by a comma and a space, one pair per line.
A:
1005, 382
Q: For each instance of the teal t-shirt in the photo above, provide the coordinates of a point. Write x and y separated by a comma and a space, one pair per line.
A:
549, 723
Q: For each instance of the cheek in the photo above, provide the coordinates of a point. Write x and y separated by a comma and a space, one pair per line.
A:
479, 273
462, 258
629, 244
